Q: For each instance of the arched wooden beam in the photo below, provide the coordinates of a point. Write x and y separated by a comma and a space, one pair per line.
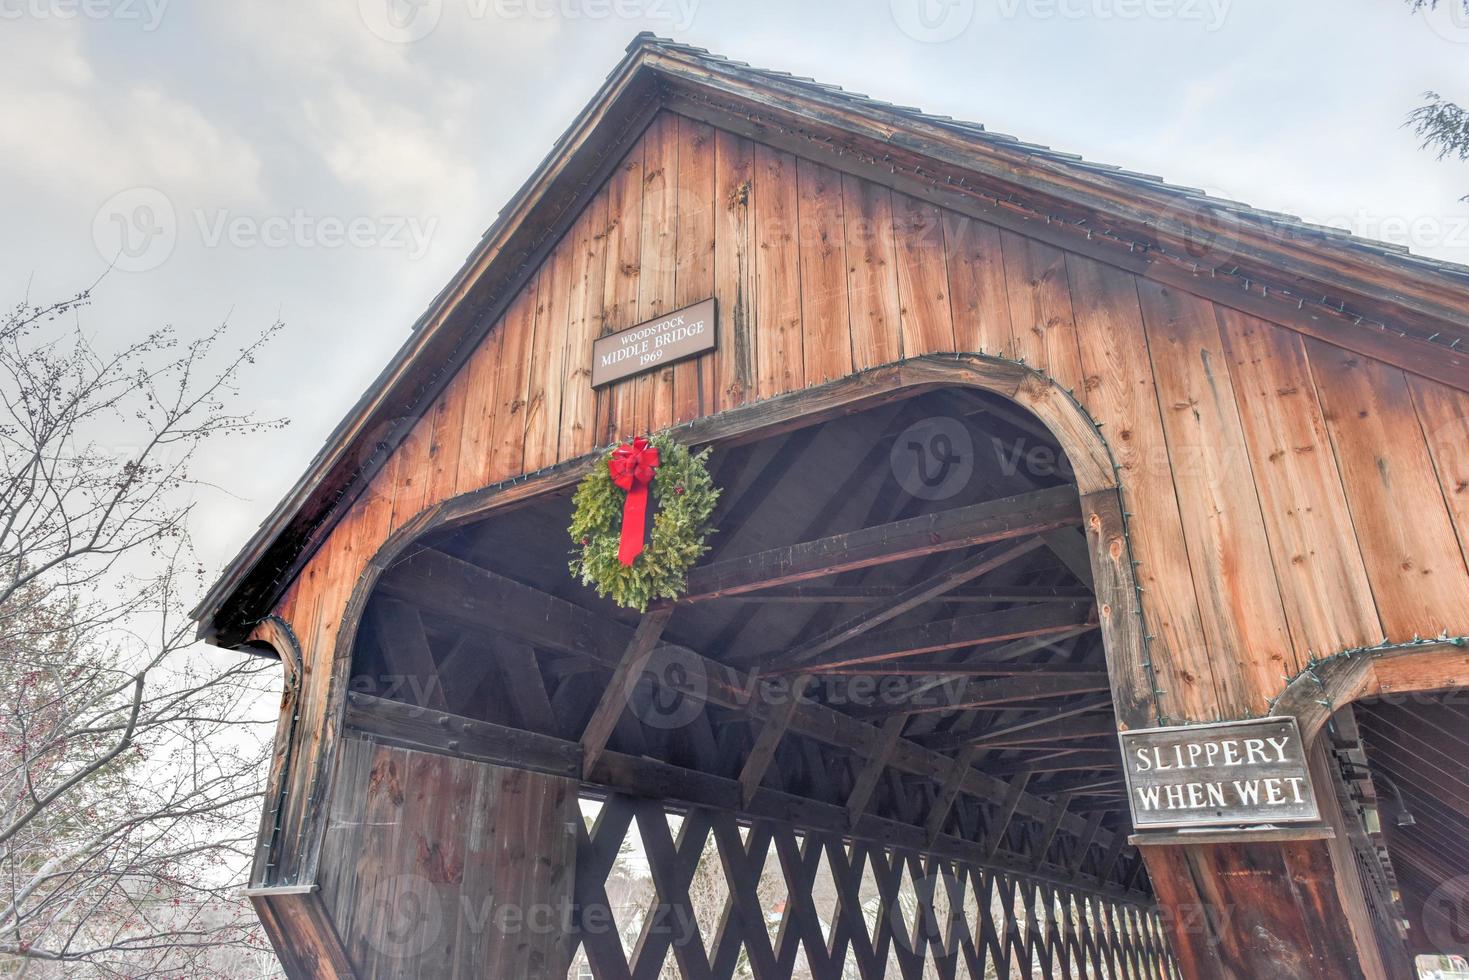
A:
277, 639
274, 636
1076, 433
1327, 685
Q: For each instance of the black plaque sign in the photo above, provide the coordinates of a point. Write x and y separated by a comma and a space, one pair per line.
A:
648, 346
1238, 773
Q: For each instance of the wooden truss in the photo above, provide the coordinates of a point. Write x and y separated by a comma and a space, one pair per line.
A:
970, 821
765, 900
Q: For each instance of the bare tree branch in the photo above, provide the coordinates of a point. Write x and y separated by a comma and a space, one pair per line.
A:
129, 769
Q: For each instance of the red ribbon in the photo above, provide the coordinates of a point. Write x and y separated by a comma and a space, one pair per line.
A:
632, 466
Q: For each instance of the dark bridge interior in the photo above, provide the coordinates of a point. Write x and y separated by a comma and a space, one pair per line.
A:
889, 657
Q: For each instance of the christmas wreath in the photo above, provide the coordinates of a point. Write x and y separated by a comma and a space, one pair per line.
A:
608, 525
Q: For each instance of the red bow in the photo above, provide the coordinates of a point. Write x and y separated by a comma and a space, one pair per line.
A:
632, 466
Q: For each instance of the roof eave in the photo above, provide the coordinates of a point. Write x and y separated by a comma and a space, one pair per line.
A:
628, 81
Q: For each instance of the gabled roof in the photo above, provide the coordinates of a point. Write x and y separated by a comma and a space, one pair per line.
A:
1370, 297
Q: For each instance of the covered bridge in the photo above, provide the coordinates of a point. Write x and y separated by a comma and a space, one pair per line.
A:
1016, 452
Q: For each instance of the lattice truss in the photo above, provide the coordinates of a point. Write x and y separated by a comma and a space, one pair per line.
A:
912, 692
702, 894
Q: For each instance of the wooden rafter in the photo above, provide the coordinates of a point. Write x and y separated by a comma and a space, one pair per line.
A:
1024, 622
771, 731
864, 594
1081, 761
614, 697
406, 651
1038, 719
1005, 690
457, 589
957, 670
872, 768
961, 527
929, 589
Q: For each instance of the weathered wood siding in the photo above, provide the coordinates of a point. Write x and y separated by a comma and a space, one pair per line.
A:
449, 868
1287, 497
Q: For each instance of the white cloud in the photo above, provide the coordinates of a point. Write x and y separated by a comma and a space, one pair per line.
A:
65, 130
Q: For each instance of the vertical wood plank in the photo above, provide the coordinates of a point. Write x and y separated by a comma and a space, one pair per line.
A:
439, 788
778, 355
1328, 602
1408, 544
872, 281
924, 315
311, 700
734, 268
826, 336
512, 382
1043, 329
547, 377
1444, 413
616, 404
693, 381
977, 290
483, 815
443, 447
411, 472
476, 439
1239, 596
1119, 390
1128, 655
343, 840
659, 262
366, 525
584, 324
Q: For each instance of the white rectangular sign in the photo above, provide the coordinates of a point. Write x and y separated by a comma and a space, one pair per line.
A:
1240, 773
648, 346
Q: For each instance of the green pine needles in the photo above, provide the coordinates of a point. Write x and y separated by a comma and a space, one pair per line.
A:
683, 498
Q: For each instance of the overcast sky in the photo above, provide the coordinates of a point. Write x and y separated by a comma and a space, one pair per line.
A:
332, 162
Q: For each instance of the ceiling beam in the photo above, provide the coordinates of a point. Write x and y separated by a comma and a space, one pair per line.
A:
863, 594
1051, 731
956, 670
915, 537
1070, 762
447, 586
951, 740
1005, 690
949, 634
967, 570
624, 678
